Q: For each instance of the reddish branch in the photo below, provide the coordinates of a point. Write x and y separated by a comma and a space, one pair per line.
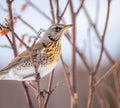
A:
36, 70
102, 99
103, 39
52, 11
78, 52
62, 14
11, 25
97, 33
92, 75
115, 68
13, 44
80, 7
73, 104
67, 75
38, 10
57, 10
49, 89
26, 91
27, 24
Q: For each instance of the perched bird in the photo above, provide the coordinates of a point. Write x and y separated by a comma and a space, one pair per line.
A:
46, 53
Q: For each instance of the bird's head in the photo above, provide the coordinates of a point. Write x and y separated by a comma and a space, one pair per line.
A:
54, 32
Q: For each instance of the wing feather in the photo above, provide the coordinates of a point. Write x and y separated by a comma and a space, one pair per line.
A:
23, 56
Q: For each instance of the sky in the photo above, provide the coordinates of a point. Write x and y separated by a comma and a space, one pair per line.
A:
112, 40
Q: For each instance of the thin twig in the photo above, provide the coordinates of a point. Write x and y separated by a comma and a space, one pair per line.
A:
103, 39
67, 75
52, 11
64, 10
97, 33
4, 9
13, 45
92, 75
27, 24
102, 100
5, 46
49, 89
26, 91
114, 68
117, 76
57, 11
80, 7
37, 77
113, 95
78, 52
9, 3
9, 40
38, 10
73, 100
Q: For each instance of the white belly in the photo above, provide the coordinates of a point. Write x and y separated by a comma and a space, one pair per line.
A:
28, 73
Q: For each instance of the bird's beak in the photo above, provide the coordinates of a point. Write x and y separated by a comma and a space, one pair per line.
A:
67, 26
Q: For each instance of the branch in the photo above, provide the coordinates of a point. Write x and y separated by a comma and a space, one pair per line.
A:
27, 24
37, 77
26, 92
103, 39
80, 7
102, 100
67, 76
52, 11
97, 33
13, 44
5, 46
57, 11
73, 77
78, 52
9, 3
49, 89
64, 10
112, 93
114, 68
38, 10
92, 75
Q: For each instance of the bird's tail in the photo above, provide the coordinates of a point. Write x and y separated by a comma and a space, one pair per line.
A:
4, 75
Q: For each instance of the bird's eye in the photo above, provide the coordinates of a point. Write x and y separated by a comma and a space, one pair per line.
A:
57, 29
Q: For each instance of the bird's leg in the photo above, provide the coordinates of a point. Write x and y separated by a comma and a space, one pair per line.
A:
44, 92
37, 77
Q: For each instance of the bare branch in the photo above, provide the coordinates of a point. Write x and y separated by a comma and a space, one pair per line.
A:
92, 75
97, 33
80, 7
78, 52
67, 76
57, 12
38, 10
114, 68
5, 46
9, 3
27, 24
103, 39
52, 11
62, 14
102, 99
112, 93
49, 89
27, 94
73, 78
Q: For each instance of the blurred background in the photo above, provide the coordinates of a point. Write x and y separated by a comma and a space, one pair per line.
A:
11, 92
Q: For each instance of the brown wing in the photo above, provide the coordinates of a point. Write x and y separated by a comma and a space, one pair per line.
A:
22, 56
11, 64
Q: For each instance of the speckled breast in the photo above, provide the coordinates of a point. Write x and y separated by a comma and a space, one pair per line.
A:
50, 54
